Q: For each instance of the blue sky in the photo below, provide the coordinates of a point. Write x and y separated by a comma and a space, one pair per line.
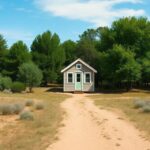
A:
24, 19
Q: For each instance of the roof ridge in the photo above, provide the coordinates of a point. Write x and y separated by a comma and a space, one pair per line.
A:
83, 62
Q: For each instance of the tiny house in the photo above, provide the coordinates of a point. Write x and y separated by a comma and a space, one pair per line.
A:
79, 76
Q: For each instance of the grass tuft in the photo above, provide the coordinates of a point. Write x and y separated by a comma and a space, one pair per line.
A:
10, 109
26, 115
39, 106
18, 107
29, 102
146, 109
139, 104
6, 109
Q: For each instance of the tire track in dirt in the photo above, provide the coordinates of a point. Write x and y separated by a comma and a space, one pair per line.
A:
89, 128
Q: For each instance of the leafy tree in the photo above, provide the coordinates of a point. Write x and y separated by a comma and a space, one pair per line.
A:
93, 36
119, 65
49, 55
86, 51
146, 69
107, 40
131, 32
3, 54
18, 54
5, 83
30, 74
70, 51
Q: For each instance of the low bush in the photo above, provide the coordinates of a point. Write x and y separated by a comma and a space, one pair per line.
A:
29, 102
18, 87
26, 115
39, 106
18, 107
6, 109
139, 103
5, 83
146, 108
147, 102
9, 109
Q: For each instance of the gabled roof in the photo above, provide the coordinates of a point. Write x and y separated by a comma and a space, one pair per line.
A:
82, 62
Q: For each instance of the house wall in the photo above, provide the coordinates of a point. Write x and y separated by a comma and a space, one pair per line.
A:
68, 87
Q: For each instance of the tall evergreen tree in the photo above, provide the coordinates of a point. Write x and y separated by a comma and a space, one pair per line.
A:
70, 51
18, 54
49, 55
3, 54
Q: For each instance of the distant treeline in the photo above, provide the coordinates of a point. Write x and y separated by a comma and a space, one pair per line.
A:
120, 54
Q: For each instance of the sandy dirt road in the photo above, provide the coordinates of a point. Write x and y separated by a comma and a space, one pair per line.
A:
89, 128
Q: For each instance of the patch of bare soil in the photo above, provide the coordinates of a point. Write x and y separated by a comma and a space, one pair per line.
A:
7, 120
89, 128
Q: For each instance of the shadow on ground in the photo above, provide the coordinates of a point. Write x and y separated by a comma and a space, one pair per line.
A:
55, 89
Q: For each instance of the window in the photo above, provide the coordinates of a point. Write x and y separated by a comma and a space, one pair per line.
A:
78, 77
70, 77
78, 66
87, 77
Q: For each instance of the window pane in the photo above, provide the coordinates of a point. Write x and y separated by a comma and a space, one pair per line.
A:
70, 77
78, 77
87, 77
78, 66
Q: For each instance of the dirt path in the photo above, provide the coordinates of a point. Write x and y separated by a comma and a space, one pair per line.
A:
89, 128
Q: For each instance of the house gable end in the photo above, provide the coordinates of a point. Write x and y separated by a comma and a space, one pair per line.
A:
77, 61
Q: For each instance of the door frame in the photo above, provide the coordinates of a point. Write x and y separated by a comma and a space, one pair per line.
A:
75, 80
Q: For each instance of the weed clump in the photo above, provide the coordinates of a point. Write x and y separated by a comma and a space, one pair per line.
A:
139, 104
6, 109
39, 106
143, 105
18, 108
29, 102
146, 109
10, 109
26, 115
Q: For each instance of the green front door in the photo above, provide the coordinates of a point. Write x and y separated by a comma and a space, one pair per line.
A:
78, 82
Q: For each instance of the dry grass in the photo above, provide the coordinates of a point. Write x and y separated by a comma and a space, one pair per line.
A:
37, 134
124, 103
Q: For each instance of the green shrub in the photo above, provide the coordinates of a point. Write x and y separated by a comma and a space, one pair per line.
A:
5, 83
147, 102
9, 109
146, 108
139, 103
18, 87
6, 109
39, 106
29, 102
26, 115
18, 107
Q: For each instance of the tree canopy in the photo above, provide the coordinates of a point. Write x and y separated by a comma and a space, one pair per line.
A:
30, 74
49, 55
120, 53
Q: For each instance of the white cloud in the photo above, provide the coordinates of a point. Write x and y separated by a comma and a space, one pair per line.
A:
98, 12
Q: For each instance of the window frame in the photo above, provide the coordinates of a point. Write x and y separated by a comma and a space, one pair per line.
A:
78, 65
68, 77
85, 77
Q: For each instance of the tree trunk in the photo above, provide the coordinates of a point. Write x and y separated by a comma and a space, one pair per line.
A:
30, 89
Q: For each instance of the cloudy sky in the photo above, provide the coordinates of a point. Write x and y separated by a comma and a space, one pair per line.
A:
24, 19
